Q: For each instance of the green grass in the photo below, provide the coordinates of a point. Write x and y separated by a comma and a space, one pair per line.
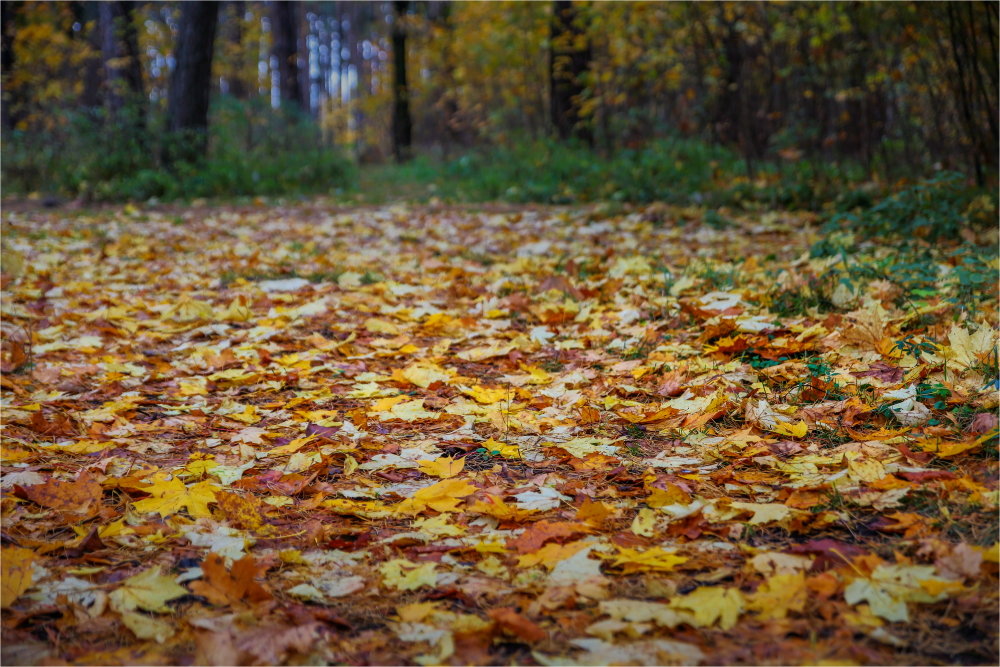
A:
675, 170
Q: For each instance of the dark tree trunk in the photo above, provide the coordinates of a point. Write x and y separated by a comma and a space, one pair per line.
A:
92, 66
402, 125
449, 102
569, 60
285, 31
10, 106
190, 82
123, 67
237, 86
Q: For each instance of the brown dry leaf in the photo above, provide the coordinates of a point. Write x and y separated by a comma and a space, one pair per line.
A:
541, 532
233, 586
516, 624
272, 645
81, 496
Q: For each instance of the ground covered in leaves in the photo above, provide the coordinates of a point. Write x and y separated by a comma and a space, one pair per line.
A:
533, 436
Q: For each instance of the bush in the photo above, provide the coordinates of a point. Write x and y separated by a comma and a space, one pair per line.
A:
933, 209
252, 151
676, 170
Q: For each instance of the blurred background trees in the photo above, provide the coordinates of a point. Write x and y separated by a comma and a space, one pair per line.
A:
248, 97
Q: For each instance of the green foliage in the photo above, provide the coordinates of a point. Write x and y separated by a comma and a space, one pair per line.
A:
252, 151
932, 209
939, 248
674, 170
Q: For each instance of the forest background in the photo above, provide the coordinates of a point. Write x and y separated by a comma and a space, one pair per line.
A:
796, 105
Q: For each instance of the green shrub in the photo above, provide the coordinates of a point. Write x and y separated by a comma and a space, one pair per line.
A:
933, 209
252, 151
676, 170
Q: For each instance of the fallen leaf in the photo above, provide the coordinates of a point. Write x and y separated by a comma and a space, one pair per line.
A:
149, 590
654, 559
710, 605
171, 496
516, 624
444, 467
15, 573
229, 586
404, 575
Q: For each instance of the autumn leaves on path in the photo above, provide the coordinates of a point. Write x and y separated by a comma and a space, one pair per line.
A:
551, 436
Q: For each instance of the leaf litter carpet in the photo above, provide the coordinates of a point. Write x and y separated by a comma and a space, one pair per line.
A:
397, 435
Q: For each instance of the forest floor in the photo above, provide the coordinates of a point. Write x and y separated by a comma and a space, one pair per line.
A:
489, 435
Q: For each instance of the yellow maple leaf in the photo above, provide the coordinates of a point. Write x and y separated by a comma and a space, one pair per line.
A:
497, 448
193, 386
949, 449
497, 508
376, 325
970, 347
655, 559
485, 352
147, 627
792, 430
149, 590
405, 575
486, 395
237, 311
551, 554
779, 595
424, 375
438, 526
442, 497
169, 497
15, 568
366, 509
645, 522
443, 467
594, 512
440, 322
385, 404
292, 447
537, 375
490, 548
867, 470
709, 605
764, 512
248, 416
408, 411
190, 310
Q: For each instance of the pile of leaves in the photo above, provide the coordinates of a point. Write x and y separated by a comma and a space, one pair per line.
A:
502, 436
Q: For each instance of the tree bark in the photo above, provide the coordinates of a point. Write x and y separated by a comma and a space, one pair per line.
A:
569, 60
237, 85
190, 82
402, 124
285, 31
123, 67
10, 108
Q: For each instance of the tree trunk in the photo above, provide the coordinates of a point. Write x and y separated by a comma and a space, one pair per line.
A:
402, 125
190, 82
285, 29
10, 108
123, 67
237, 85
93, 67
569, 60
